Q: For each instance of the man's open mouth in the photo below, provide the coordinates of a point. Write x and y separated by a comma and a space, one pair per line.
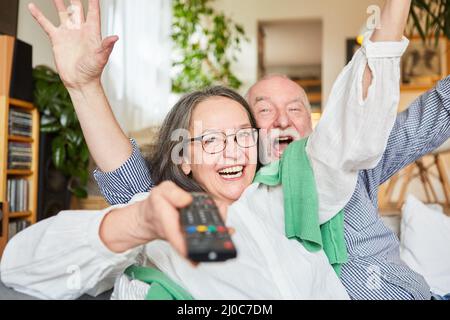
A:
286, 140
232, 172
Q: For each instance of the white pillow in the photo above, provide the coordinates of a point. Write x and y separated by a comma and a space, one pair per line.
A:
425, 244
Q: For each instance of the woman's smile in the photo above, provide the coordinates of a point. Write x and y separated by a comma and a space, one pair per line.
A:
232, 173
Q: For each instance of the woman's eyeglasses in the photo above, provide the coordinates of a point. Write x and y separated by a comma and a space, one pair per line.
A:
216, 142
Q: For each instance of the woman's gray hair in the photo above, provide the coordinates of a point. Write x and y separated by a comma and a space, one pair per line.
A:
163, 168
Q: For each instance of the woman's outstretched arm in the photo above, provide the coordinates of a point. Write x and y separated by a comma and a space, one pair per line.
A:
79, 252
63, 257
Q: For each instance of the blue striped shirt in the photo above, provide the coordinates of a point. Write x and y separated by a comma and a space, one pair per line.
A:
374, 269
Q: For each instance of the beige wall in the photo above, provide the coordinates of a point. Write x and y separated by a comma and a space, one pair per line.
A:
341, 20
286, 43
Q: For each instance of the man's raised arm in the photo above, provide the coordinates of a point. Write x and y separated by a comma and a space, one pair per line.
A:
353, 131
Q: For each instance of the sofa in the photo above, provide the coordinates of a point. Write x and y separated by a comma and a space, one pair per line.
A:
424, 233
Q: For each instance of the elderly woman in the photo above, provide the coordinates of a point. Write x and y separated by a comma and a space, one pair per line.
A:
87, 252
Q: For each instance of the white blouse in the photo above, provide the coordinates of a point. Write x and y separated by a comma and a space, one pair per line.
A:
63, 257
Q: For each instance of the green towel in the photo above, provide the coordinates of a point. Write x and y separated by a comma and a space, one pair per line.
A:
301, 205
162, 287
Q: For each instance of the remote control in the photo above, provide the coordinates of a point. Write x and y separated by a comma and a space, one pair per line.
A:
207, 237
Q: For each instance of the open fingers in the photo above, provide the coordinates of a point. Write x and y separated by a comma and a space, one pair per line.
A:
108, 43
62, 11
76, 11
60, 6
93, 14
48, 27
107, 46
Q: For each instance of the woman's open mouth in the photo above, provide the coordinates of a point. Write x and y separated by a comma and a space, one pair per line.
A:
232, 173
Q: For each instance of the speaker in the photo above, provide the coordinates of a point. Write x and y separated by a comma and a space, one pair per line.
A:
54, 195
9, 10
22, 72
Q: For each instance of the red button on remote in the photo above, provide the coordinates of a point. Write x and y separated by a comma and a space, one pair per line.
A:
228, 245
221, 229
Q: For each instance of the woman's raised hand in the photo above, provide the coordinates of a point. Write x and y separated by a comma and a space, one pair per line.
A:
80, 53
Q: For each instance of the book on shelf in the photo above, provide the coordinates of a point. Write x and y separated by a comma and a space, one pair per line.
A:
19, 155
18, 194
20, 123
16, 226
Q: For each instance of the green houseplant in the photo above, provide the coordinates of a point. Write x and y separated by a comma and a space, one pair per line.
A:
205, 45
70, 154
430, 19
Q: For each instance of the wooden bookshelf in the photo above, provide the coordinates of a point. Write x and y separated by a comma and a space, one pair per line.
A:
20, 139
31, 174
3, 225
22, 214
19, 172
315, 97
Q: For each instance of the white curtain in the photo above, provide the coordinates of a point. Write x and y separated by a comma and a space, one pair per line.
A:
137, 78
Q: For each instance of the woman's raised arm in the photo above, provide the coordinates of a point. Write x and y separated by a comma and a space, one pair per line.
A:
81, 55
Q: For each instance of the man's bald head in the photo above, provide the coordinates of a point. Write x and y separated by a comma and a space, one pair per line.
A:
276, 81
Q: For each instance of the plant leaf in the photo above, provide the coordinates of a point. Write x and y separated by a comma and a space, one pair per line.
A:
69, 150
50, 128
79, 192
59, 152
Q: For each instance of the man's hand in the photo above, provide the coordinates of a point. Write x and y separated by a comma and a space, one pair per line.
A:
393, 23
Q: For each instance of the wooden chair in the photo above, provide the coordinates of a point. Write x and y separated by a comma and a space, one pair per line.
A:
420, 170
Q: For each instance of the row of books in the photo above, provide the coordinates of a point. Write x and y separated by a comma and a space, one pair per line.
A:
16, 226
20, 123
18, 194
19, 155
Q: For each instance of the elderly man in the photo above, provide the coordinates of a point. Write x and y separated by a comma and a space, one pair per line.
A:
374, 269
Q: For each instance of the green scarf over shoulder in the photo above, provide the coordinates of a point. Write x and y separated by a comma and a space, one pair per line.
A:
301, 206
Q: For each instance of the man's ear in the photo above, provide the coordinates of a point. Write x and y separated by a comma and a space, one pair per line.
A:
186, 168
